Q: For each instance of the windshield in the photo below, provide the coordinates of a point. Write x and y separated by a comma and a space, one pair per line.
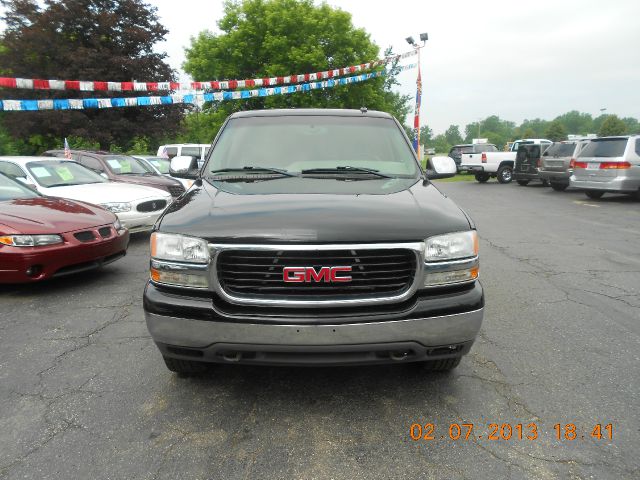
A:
297, 143
13, 189
124, 165
162, 164
608, 148
560, 150
62, 174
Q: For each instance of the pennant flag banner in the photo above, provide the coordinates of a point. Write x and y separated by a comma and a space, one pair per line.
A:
93, 86
194, 98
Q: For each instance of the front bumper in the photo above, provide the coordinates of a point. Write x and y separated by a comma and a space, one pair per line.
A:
471, 168
430, 327
138, 222
61, 259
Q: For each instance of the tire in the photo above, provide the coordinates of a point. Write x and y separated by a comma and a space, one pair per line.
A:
559, 187
523, 183
505, 174
185, 367
443, 365
595, 194
482, 177
545, 183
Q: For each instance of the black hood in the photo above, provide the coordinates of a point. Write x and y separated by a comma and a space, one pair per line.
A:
307, 210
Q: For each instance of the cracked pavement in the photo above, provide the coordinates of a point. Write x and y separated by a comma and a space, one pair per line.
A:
84, 392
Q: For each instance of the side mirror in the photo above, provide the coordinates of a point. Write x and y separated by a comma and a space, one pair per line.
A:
441, 167
184, 167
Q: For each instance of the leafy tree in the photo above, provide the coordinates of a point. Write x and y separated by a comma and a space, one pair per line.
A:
88, 40
441, 144
268, 38
556, 131
534, 128
576, 123
452, 134
528, 133
426, 136
612, 126
633, 126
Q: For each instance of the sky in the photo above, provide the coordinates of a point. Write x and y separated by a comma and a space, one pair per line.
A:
485, 58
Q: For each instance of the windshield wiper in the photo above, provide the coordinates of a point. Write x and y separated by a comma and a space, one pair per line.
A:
254, 169
345, 169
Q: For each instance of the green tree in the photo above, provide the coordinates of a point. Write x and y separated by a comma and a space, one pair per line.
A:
268, 38
612, 125
441, 144
426, 136
452, 134
576, 123
528, 133
633, 126
534, 128
556, 131
88, 40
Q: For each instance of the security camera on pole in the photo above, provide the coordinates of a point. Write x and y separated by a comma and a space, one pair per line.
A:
416, 118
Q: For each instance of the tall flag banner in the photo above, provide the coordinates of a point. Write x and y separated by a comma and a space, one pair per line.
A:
67, 150
416, 117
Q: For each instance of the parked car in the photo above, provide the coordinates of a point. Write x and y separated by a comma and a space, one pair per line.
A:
497, 164
44, 237
161, 166
608, 165
137, 206
293, 251
555, 165
196, 150
457, 151
527, 163
122, 168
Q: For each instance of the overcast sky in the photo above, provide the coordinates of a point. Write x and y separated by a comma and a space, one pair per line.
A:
483, 58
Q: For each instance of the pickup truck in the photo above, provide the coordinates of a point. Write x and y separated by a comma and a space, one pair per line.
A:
495, 164
329, 246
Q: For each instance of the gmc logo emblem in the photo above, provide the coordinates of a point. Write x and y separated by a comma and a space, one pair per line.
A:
310, 274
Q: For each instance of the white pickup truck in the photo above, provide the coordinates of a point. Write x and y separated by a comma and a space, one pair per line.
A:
495, 164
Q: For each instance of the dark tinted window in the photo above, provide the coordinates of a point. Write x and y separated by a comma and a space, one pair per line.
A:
12, 170
12, 189
560, 150
606, 148
92, 163
191, 151
486, 147
637, 146
171, 151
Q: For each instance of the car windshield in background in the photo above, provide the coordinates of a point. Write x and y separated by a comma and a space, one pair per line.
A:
124, 165
162, 164
315, 142
62, 174
607, 148
13, 189
560, 150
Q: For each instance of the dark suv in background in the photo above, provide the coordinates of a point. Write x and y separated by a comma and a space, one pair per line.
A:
122, 168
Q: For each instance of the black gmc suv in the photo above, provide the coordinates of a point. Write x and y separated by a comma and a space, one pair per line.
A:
313, 237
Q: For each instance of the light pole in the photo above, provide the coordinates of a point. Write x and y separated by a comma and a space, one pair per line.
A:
416, 117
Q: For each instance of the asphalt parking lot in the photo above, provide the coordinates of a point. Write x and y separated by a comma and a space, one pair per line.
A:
84, 392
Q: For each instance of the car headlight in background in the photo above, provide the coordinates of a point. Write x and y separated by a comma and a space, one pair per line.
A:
451, 259
117, 207
117, 225
30, 240
179, 260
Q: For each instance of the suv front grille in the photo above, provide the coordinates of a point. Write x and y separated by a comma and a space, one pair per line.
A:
259, 274
152, 206
176, 190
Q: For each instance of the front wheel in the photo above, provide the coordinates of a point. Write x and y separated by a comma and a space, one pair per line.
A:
545, 183
505, 174
185, 367
559, 187
482, 177
595, 194
443, 365
523, 183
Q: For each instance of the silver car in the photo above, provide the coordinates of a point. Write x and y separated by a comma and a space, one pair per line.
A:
608, 164
555, 164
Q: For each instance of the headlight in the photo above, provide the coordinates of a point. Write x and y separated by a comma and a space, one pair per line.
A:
451, 246
117, 225
117, 207
180, 248
30, 240
451, 259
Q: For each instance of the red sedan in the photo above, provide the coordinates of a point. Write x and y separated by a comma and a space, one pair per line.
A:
43, 237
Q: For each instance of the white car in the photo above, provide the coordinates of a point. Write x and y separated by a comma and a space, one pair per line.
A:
196, 150
161, 165
137, 206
